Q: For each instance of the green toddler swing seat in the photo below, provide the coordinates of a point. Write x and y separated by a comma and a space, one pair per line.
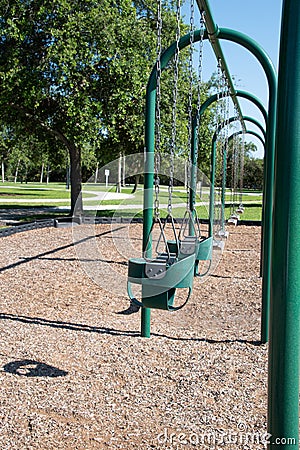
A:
197, 244
161, 276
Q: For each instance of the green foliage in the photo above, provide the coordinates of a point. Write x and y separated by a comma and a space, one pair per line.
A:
253, 173
74, 76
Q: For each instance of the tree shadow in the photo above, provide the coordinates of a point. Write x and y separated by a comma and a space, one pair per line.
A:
209, 341
115, 332
50, 252
31, 368
66, 325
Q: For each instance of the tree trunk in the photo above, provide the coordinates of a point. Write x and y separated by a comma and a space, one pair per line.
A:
68, 177
123, 170
96, 173
42, 173
119, 173
16, 172
2, 172
136, 182
76, 194
48, 174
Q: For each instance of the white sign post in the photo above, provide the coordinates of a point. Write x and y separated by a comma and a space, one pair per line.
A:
106, 172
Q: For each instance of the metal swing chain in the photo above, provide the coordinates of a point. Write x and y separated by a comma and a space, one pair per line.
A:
219, 109
227, 124
222, 135
242, 155
174, 108
235, 165
157, 111
226, 131
200, 67
190, 98
199, 97
218, 91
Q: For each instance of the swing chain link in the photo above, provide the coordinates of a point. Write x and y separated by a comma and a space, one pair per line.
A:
200, 67
190, 98
174, 108
242, 155
157, 111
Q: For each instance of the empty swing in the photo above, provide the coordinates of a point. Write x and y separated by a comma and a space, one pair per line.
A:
190, 240
173, 267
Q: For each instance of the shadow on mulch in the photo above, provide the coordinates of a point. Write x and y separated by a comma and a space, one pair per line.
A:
114, 332
30, 368
49, 252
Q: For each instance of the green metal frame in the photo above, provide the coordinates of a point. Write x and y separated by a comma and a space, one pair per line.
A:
269, 70
213, 164
215, 35
283, 402
149, 153
248, 96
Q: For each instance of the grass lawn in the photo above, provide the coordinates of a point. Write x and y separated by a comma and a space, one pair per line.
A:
42, 195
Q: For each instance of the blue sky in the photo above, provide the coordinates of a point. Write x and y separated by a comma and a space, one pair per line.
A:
259, 19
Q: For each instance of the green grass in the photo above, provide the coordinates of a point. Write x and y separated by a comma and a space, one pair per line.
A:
31, 193
49, 194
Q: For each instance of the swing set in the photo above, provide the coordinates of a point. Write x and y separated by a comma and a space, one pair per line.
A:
176, 260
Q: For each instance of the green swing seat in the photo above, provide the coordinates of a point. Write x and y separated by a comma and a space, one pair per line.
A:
202, 249
161, 277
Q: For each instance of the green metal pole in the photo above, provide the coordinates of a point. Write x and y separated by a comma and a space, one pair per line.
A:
284, 347
263, 58
212, 31
148, 187
270, 72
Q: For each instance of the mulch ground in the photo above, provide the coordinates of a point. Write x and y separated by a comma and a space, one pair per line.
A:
75, 373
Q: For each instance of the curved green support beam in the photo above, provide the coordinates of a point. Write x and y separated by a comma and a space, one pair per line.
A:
149, 156
238, 133
267, 65
213, 163
208, 102
253, 133
247, 95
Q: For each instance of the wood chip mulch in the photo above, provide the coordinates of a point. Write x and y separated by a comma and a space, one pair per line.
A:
75, 373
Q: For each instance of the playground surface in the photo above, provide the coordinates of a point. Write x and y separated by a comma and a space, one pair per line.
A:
75, 373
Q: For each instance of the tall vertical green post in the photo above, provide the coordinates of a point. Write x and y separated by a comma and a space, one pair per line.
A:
283, 418
148, 187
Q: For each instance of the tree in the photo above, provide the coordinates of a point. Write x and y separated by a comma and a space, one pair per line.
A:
52, 59
77, 71
253, 173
